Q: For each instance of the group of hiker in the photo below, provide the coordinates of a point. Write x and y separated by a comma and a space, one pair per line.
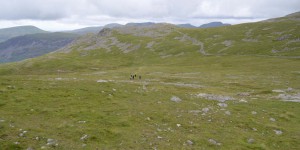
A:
132, 77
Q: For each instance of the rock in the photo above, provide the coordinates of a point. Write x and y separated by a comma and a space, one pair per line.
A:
205, 110
253, 112
250, 141
243, 101
84, 137
81, 121
278, 132
102, 81
222, 105
175, 99
214, 142
159, 137
29, 148
17, 143
227, 112
1, 120
278, 91
243, 94
189, 142
178, 125
114, 90
83, 145
272, 119
219, 98
52, 142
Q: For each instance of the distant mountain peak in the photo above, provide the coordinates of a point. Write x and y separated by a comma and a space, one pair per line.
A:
214, 24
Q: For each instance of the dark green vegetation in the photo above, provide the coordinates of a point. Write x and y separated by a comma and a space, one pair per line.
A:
223, 88
8, 33
33, 45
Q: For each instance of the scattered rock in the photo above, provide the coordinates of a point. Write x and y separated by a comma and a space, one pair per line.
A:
243, 94
178, 125
253, 112
227, 112
278, 132
102, 81
175, 99
214, 142
17, 143
220, 98
243, 101
290, 98
272, 119
82, 122
222, 105
52, 142
278, 91
84, 137
189, 142
251, 141
205, 110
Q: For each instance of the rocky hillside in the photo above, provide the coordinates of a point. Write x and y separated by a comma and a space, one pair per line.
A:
149, 43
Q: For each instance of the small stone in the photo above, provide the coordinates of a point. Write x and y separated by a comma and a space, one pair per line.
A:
254, 129
272, 119
17, 143
1, 120
83, 145
43, 147
250, 141
214, 142
243, 101
189, 142
253, 112
205, 110
84, 137
37, 138
227, 112
159, 137
222, 104
148, 118
81, 121
114, 90
175, 99
278, 132
51, 142
178, 125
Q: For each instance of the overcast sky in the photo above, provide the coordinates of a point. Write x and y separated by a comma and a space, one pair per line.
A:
55, 15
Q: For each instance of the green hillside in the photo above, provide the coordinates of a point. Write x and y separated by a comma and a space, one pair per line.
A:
233, 87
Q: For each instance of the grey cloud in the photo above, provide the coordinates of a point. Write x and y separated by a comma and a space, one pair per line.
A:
145, 9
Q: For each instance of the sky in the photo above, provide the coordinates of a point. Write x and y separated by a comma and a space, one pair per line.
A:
57, 15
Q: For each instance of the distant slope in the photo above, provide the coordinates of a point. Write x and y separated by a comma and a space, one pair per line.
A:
8, 33
33, 45
86, 30
142, 24
186, 25
213, 24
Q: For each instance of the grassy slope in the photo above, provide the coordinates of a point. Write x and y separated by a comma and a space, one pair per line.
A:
49, 96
